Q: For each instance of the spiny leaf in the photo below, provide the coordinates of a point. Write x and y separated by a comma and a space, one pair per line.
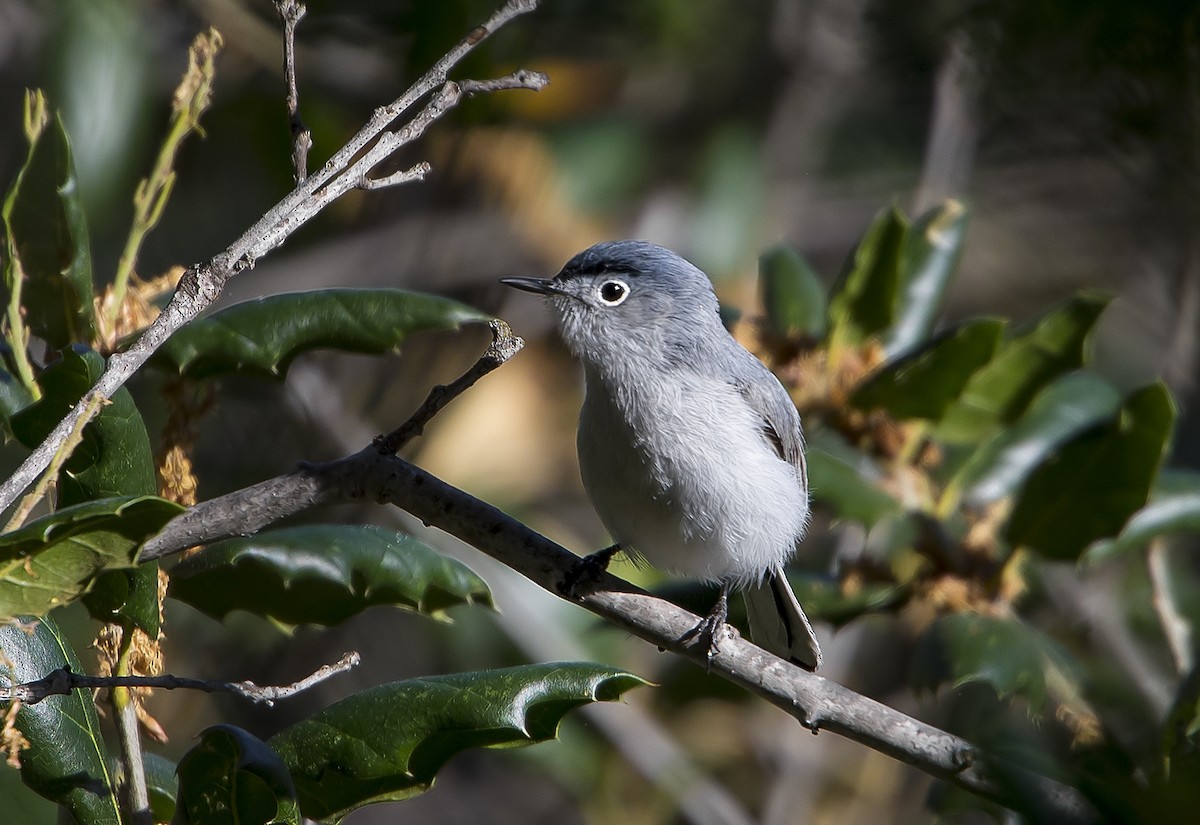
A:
263, 336
1004, 653
844, 481
53, 560
323, 574
1090, 487
232, 778
388, 742
67, 761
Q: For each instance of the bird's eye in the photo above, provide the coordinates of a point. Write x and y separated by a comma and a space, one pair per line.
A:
613, 292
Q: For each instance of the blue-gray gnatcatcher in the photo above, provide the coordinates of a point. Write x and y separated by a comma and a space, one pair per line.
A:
690, 449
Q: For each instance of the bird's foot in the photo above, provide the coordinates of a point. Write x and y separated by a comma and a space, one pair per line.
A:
711, 628
584, 574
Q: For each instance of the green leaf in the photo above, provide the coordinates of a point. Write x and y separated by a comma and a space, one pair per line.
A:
846, 482
323, 574
127, 597
1065, 408
232, 778
863, 303
925, 381
1174, 507
792, 295
388, 743
43, 221
825, 600
14, 397
52, 561
1004, 653
931, 252
999, 392
162, 786
115, 457
67, 762
1087, 489
261, 337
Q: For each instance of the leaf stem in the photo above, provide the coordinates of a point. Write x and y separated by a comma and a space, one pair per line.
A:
192, 97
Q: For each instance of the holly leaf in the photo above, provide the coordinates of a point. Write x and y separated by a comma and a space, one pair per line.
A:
389, 742
54, 560
263, 336
323, 574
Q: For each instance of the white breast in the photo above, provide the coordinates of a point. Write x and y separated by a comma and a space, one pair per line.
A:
680, 471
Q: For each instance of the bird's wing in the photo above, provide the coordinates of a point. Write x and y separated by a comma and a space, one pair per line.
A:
780, 421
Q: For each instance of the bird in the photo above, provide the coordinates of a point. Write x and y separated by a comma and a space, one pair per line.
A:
690, 449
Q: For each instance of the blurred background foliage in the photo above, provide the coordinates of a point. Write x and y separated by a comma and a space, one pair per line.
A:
1070, 133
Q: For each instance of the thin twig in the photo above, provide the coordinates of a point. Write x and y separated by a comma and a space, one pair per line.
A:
203, 283
64, 680
503, 347
291, 13
417, 172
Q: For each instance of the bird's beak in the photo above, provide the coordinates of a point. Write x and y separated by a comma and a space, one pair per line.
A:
542, 286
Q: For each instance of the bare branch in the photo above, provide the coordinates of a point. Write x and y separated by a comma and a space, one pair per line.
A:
202, 283
818, 703
62, 681
291, 13
417, 172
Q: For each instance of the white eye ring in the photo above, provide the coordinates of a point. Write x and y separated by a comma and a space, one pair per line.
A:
612, 292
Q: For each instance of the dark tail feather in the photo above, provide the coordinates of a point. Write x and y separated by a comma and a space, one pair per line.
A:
778, 623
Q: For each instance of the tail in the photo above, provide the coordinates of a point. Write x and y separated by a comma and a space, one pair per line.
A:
778, 623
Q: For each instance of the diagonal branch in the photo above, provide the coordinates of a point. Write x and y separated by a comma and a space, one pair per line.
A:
203, 283
818, 703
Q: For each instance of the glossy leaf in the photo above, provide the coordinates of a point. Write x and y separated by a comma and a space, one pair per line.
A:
962, 647
52, 561
323, 574
232, 778
161, 785
931, 251
844, 481
925, 381
115, 457
13, 396
389, 742
863, 303
67, 761
261, 337
43, 221
1001, 391
827, 600
792, 295
1174, 507
1070, 405
1090, 487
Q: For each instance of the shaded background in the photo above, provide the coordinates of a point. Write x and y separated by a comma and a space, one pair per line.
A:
718, 129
